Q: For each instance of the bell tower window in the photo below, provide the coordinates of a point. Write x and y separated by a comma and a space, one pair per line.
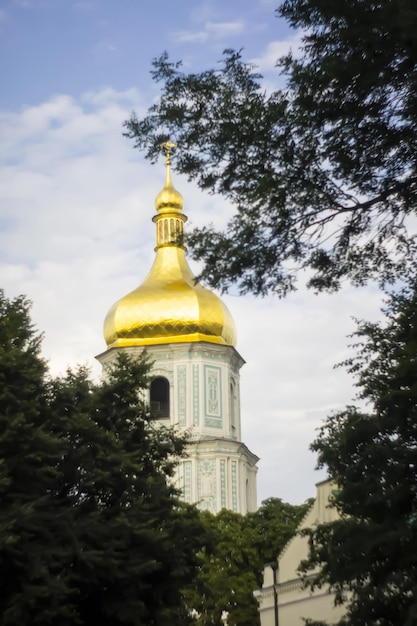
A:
159, 398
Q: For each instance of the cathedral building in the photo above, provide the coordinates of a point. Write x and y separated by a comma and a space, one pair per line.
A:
190, 336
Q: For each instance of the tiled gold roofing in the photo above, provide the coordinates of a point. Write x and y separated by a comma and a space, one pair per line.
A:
169, 307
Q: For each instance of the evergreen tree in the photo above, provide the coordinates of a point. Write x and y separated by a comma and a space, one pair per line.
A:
136, 542
369, 556
322, 173
92, 530
36, 534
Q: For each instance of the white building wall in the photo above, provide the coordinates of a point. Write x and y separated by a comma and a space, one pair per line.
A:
294, 601
204, 384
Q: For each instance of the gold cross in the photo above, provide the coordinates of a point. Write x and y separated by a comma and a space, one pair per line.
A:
167, 148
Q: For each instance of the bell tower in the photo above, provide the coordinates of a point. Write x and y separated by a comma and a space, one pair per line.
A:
190, 336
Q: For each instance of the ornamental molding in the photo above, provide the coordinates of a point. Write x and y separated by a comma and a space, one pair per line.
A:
193, 350
162, 371
296, 584
222, 446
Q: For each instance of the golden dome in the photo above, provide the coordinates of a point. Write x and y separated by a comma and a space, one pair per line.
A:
169, 307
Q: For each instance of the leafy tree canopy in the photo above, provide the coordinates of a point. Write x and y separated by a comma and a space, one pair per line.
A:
322, 173
371, 551
232, 559
92, 530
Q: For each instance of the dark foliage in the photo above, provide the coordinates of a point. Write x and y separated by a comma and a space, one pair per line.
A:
232, 559
92, 530
322, 173
371, 552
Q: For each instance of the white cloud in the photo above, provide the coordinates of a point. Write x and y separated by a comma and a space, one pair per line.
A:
289, 383
102, 49
276, 49
72, 185
211, 30
76, 234
200, 13
266, 63
225, 29
185, 36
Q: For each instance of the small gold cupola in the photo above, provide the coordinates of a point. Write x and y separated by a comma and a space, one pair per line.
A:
169, 203
169, 306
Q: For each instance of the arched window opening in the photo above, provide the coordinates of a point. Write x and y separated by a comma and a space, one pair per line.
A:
159, 398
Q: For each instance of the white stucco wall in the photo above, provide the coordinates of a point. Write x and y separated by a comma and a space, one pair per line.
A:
295, 601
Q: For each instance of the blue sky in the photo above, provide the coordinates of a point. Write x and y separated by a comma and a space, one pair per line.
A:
65, 46
76, 203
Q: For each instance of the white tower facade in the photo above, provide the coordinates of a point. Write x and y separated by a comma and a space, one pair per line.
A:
189, 336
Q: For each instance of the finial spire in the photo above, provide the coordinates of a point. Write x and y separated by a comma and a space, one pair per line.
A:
166, 147
169, 203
